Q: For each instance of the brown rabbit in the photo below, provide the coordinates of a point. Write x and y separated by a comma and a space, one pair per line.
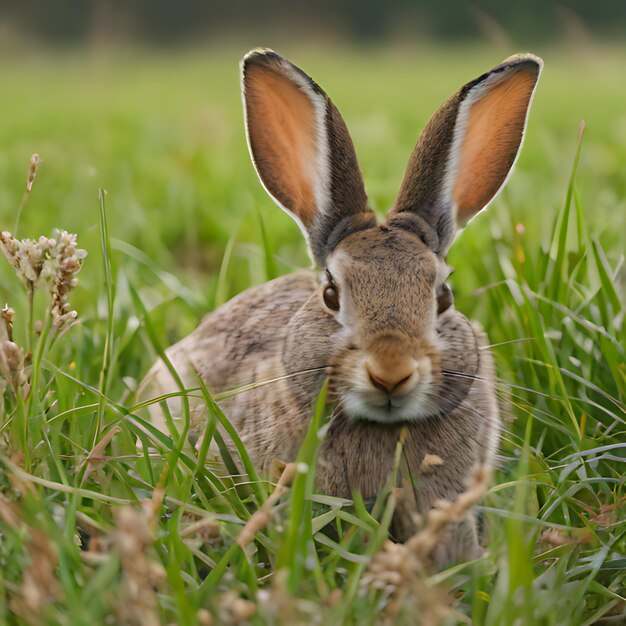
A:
378, 318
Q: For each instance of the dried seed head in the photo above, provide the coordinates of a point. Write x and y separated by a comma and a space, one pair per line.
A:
27, 257
32, 171
12, 366
55, 261
234, 609
430, 461
60, 269
7, 314
204, 618
399, 572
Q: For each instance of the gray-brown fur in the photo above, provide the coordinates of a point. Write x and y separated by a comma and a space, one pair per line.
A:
421, 189
347, 187
395, 357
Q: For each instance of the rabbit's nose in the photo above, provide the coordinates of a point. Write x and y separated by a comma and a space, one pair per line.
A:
391, 379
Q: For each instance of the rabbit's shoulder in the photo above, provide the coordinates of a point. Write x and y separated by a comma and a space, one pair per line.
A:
252, 325
263, 309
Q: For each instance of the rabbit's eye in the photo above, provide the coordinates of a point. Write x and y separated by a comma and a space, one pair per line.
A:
331, 297
445, 299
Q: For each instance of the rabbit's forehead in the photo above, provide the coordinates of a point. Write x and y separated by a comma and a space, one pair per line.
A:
384, 255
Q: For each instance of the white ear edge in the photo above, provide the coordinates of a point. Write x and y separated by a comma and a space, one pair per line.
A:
321, 180
460, 129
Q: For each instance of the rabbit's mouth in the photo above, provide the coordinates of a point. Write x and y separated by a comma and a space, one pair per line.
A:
409, 399
387, 409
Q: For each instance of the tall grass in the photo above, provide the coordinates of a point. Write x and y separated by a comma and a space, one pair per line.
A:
95, 530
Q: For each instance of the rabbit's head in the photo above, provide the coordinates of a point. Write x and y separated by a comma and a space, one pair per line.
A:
382, 287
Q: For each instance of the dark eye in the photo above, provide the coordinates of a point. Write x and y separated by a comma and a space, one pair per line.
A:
445, 299
331, 297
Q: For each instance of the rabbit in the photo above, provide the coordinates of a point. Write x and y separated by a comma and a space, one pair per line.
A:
377, 318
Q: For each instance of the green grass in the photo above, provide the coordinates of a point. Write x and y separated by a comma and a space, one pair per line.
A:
178, 233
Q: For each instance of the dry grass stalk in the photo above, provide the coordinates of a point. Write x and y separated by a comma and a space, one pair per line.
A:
206, 529
40, 586
234, 609
261, 518
8, 513
606, 515
276, 605
96, 455
400, 571
557, 538
445, 514
152, 507
137, 602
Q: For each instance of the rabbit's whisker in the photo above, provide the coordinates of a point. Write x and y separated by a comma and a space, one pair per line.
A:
261, 383
462, 375
499, 381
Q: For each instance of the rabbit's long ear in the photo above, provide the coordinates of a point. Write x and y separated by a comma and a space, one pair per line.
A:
302, 151
468, 148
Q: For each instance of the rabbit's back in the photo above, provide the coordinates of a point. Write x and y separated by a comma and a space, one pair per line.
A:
237, 350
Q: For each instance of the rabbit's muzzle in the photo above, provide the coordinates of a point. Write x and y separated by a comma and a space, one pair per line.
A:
390, 380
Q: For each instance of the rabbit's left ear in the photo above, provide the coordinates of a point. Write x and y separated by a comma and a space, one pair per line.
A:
468, 148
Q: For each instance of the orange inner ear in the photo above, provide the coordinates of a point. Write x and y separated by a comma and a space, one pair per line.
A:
282, 129
493, 134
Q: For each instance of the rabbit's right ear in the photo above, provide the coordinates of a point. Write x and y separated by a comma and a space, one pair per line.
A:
466, 151
302, 151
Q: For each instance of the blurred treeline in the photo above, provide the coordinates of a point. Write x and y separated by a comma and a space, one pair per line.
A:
172, 22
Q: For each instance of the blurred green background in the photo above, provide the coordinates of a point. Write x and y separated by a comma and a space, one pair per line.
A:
163, 22
143, 100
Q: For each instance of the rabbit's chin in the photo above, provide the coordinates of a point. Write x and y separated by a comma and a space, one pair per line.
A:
413, 407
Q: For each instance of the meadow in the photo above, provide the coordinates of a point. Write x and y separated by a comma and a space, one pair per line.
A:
94, 531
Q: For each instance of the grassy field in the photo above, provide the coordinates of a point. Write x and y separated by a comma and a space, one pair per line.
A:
91, 531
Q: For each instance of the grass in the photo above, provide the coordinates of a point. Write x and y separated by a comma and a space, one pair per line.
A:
93, 531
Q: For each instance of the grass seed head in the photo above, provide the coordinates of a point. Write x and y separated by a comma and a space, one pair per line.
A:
399, 571
35, 160
60, 269
7, 315
12, 359
26, 256
54, 261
